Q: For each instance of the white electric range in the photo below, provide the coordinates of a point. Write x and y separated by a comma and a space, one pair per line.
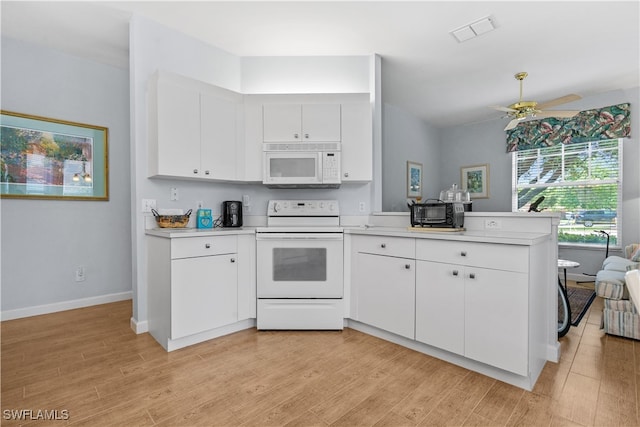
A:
300, 266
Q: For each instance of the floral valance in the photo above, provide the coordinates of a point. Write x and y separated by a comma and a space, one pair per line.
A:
591, 125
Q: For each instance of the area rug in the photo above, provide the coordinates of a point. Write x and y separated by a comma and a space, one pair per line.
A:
579, 300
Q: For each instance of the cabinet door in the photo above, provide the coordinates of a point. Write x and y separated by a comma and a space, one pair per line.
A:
282, 122
218, 137
496, 318
203, 294
357, 143
178, 133
321, 122
386, 293
440, 305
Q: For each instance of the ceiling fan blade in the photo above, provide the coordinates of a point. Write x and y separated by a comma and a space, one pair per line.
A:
557, 113
499, 108
513, 123
558, 101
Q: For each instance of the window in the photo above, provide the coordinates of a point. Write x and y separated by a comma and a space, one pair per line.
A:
582, 181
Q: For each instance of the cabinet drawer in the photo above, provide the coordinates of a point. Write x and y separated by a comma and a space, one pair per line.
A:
202, 246
487, 255
401, 247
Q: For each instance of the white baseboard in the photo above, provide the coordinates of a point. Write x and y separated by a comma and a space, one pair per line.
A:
139, 327
64, 305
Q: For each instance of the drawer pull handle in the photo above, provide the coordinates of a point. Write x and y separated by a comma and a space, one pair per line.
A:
295, 135
233, 260
463, 253
346, 174
206, 172
472, 276
195, 171
207, 245
384, 245
407, 266
455, 272
306, 135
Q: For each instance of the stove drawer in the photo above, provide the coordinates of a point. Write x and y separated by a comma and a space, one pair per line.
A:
189, 247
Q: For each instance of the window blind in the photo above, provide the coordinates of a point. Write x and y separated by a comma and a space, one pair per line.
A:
581, 181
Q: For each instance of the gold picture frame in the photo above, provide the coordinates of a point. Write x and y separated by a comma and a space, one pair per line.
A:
43, 158
475, 179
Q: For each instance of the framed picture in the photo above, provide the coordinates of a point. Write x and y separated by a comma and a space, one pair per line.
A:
43, 158
475, 179
414, 180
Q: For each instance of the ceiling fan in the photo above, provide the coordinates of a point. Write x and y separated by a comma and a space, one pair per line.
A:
528, 109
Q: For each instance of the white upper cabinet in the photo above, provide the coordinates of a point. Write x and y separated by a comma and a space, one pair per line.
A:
357, 141
174, 129
193, 129
218, 154
301, 123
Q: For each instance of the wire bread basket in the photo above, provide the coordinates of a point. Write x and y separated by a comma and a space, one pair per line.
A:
171, 221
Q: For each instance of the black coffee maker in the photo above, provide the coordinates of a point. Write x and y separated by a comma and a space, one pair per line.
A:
232, 214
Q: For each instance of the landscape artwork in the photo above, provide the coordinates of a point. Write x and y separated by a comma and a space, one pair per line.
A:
45, 158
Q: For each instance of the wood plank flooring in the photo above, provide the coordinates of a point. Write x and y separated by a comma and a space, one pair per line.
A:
89, 365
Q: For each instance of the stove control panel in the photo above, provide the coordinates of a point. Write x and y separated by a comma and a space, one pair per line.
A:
303, 208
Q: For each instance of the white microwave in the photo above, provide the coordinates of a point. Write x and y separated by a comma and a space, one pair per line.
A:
301, 165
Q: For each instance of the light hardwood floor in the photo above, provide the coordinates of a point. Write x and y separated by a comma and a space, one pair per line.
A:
88, 362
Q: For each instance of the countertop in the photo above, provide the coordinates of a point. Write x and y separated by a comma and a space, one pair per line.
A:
172, 233
503, 237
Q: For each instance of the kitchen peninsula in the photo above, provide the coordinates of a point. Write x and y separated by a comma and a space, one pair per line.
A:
481, 298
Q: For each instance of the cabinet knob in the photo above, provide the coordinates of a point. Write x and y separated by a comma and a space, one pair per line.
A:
463, 253
206, 172
296, 136
207, 245
306, 136
472, 275
346, 174
384, 245
455, 272
195, 171
232, 260
407, 266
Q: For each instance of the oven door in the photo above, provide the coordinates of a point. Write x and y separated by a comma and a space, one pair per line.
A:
292, 167
300, 265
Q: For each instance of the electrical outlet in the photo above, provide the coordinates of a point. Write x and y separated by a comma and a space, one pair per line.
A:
362, 206
492, 224
80, 274
148, 204
174, 193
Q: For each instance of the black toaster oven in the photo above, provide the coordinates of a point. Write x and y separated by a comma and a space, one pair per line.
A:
437, 214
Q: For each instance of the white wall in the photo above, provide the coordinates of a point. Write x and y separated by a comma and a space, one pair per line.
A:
44, 241
407, 138
152, 47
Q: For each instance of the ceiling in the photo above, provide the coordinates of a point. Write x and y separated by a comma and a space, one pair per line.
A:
566, 46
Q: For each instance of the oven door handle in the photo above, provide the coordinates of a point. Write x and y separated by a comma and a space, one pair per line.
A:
299, 236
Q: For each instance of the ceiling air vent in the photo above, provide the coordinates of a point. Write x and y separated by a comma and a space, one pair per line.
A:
474, 29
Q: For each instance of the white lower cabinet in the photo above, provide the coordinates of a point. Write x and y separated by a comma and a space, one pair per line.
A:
197, 285
386, 292
440, 310
476, 312
204, 293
